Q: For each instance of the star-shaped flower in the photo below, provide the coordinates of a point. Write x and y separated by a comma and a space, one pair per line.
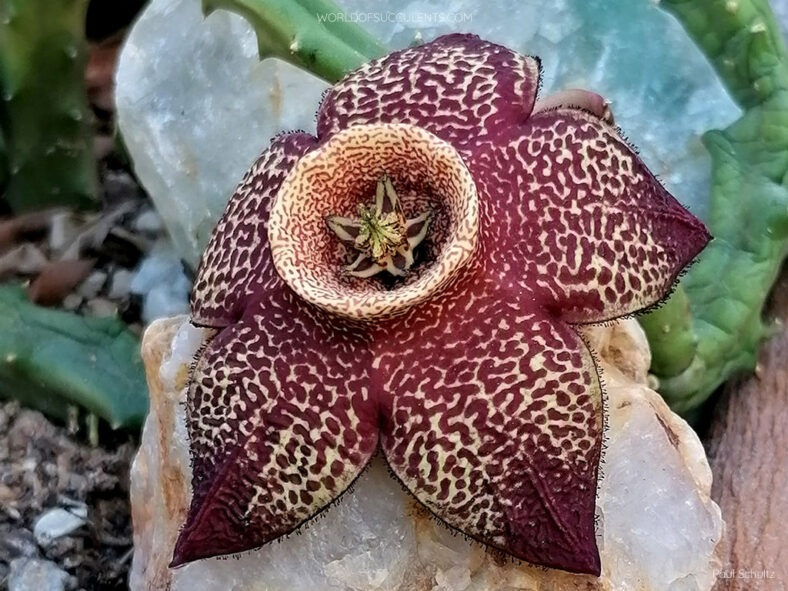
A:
468, 371
382, 234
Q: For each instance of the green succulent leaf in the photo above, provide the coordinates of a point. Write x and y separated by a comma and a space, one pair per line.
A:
51, 359
309, 34
45, 119
728, 286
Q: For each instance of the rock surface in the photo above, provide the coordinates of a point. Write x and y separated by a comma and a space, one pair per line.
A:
196, 106
658, 529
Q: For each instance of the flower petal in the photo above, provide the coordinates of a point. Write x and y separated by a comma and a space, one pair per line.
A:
578, 216
281, 421
458, 87
496, 423
237, 260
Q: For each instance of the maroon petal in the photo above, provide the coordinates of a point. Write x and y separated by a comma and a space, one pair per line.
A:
458, 87
281, 420
237, 261
495, 422
578, 220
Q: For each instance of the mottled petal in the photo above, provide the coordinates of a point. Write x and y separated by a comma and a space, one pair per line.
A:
496, 423
281, 421
237, 260
579, 220
458, 87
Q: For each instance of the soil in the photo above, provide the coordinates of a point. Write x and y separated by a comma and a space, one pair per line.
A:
42, 466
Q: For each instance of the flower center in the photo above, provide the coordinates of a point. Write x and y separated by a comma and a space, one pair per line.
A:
331, 240
383, 236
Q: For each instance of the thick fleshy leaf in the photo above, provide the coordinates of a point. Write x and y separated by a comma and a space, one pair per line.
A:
495, 422
236, 257
458, 87
593, 234
281, 421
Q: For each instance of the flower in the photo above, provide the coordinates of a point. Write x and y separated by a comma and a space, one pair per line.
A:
466, 366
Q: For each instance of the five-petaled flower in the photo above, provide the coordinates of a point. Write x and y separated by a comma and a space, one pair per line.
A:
468, 371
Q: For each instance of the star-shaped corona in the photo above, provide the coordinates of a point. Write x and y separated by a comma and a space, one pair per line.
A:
384, 238
468, 369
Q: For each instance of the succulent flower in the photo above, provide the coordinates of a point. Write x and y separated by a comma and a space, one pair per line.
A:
466, 365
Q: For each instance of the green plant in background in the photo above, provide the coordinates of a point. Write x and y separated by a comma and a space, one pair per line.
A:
52, 360
703, 336
292, 31
712, 326
47, 148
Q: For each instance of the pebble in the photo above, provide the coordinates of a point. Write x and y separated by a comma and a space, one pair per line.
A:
101, 308
32, 574
149, 221
72, 301
63, 231
93, 284
58, 522
120, 285
162, 283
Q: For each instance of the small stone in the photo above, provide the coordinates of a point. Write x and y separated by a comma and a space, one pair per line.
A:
120, 285
101, 308
64, 229
91, 286
149, 221
72, 302
658, 529
162, 283
31, 574
58, 522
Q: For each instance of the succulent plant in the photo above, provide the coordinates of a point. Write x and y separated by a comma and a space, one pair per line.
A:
44, 115
466, 367
714, 328
56, 361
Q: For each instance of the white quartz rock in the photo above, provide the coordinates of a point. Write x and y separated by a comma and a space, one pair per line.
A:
196, 106
59, 522
658, 529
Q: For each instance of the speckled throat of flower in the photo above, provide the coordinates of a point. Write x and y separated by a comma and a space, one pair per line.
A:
469, 372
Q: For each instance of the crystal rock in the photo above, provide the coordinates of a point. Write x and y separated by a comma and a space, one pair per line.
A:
658, 529
196, 106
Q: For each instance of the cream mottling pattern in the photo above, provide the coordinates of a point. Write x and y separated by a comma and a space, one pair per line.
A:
497, 422
281, 421
461, 88
589, 228
486, 401
330, 180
